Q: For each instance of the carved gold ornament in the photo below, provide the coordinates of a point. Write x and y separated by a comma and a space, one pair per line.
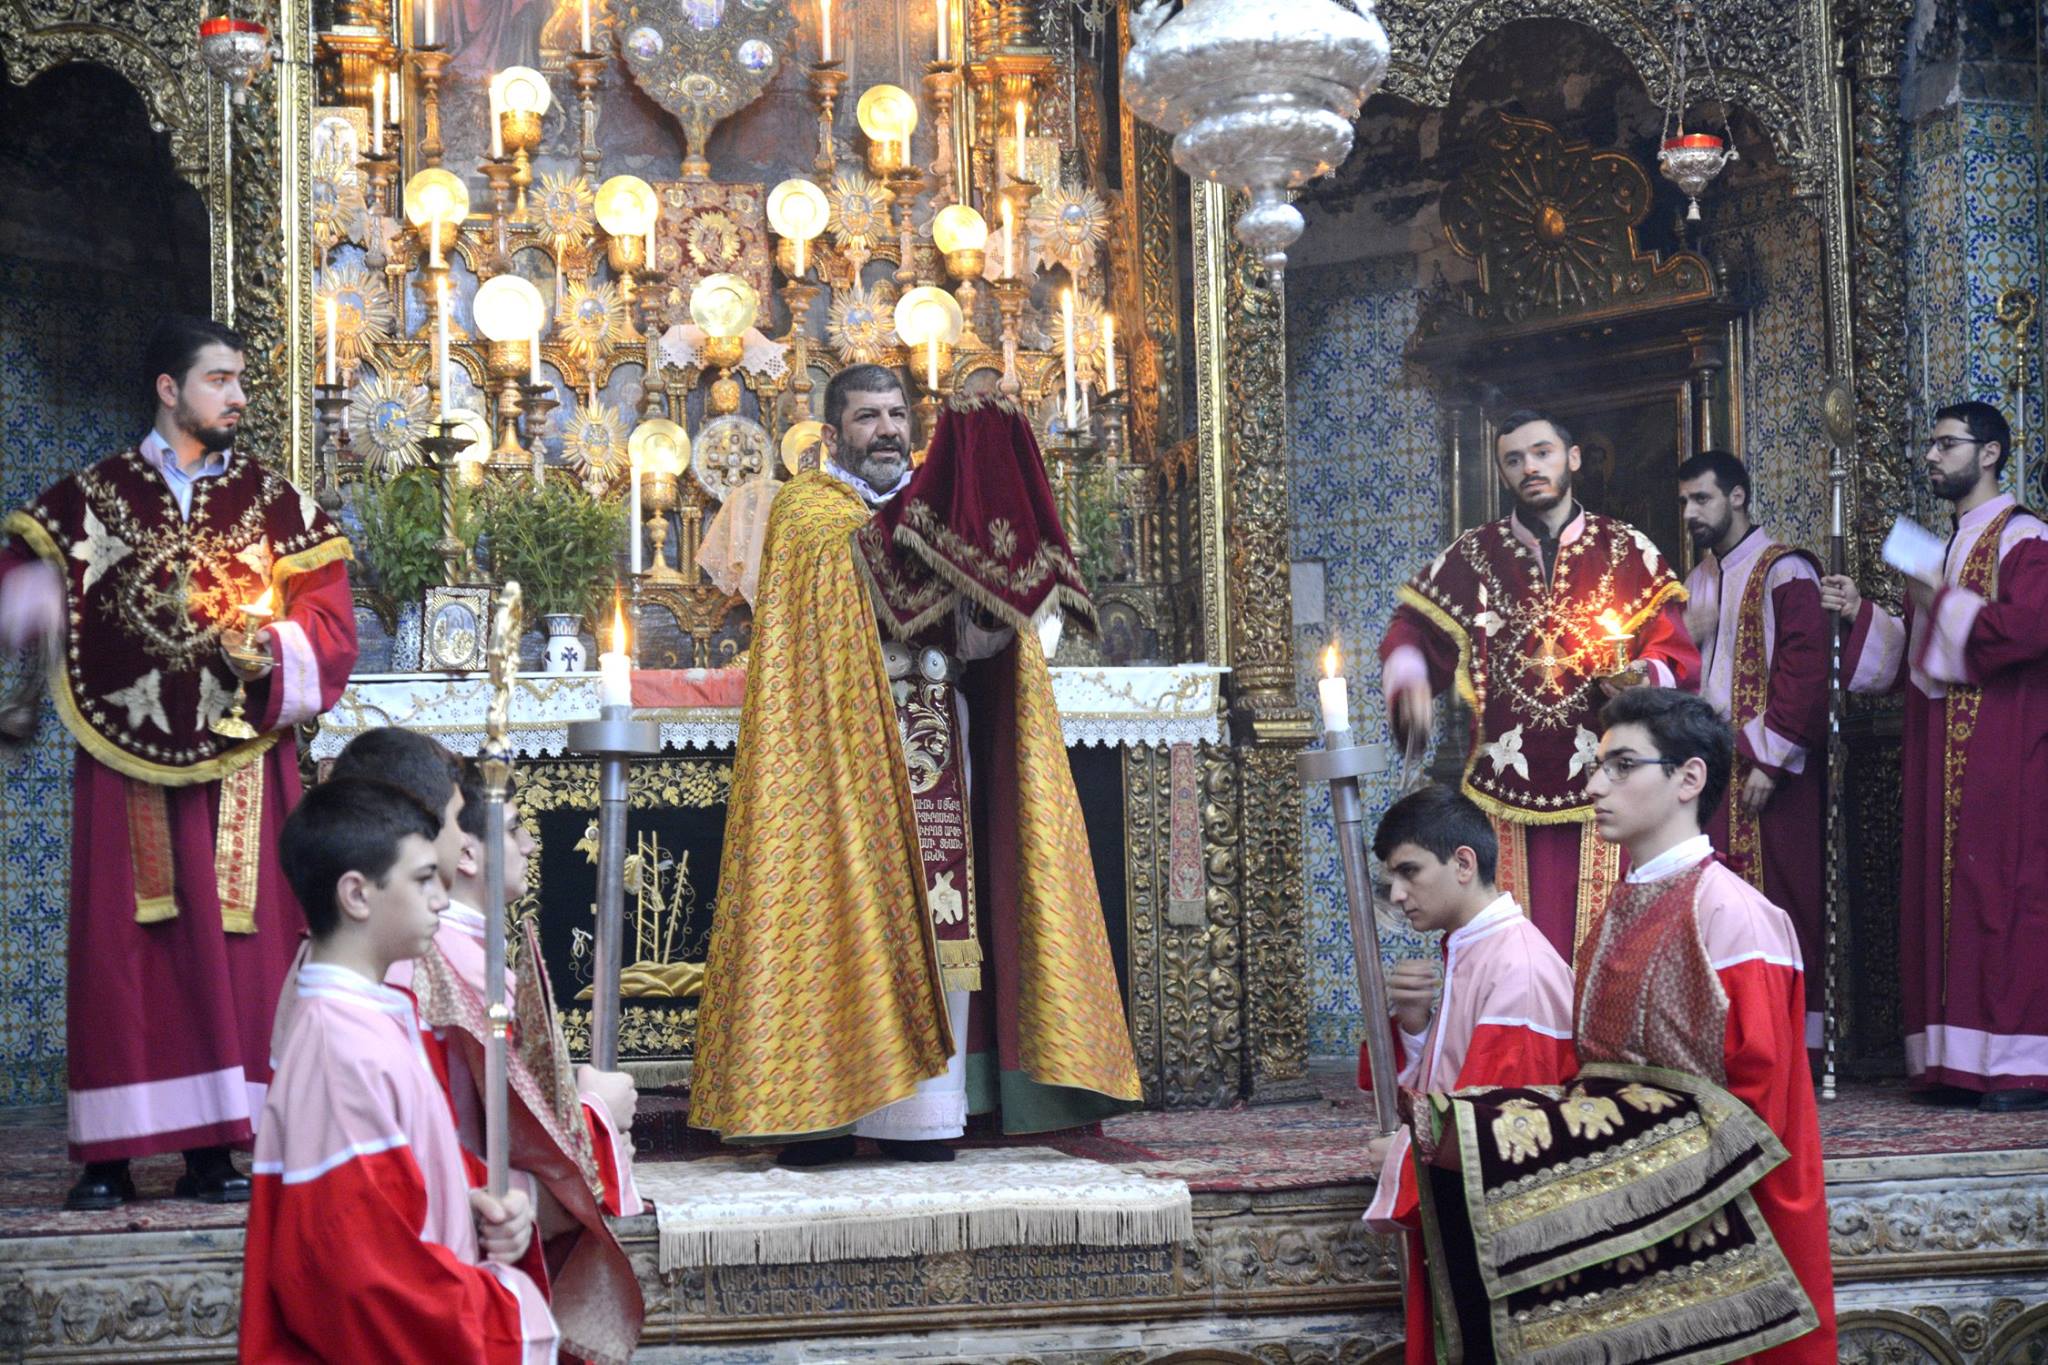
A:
594, 446
1067, 226
363, 315
860, 210
862, 324
714, 242
387, 417
593, 318
702, 60
564, 208
1521, 1131
337, 185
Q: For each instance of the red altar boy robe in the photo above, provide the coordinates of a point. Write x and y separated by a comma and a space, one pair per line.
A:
361, 1244
182, 927
1505, 1018
1525, 653
590, 1282
1690, 968
1974, 889
1763, 640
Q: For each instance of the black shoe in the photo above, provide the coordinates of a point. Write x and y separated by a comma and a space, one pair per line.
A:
816, 1152
906, 1149
2012, 1101
104, 1185
1945, 1097
211, 1178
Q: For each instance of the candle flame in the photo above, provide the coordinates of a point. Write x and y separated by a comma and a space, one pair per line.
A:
1611, 623
618, 624
264, 605
1333, 661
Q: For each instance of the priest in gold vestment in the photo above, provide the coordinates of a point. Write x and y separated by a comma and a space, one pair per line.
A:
908, 927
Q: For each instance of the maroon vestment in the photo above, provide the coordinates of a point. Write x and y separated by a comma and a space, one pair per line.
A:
1974, 890
1763, 644
1525, 650
182, 926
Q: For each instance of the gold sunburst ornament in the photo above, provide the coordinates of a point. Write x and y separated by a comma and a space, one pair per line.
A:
388, 417
362, 311
338, 202
1087, 339
1067, 225
563, 208
592, 319
713, 241
860, 210
862, 324
595, 444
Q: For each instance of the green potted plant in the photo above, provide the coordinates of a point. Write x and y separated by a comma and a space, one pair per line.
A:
562, 545
401, 550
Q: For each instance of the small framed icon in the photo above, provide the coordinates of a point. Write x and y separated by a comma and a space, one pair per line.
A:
455, 630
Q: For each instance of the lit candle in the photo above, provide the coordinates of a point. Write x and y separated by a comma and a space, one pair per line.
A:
377, 116
1109, 353
441, 340
824, 30
1020, 139
1009, 242
434, 238
1067, 320
395, 106
1616, 636
615, 666
332, 362
586, 27
497, 129
428, 5
931, 363
945, 38
798, 249
633, 506
1333, 693
535, 381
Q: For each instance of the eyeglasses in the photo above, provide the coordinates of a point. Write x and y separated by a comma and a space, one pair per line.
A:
1945, 444
1620, 766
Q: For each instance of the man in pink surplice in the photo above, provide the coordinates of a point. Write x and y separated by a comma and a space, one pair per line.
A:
182, 928
1754, 610
1505, 1017
1523, 616
1972, 656
366, 1240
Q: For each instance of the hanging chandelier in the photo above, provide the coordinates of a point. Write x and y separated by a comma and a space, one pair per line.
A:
1255, 103
1692, 160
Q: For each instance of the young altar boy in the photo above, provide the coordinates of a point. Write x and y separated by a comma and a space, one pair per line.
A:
365, 1239
1505, 1017
572, 1136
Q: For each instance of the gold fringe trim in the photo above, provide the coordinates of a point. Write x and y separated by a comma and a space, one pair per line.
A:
960, 979
1444, 621
1063, 593
327, 552
1674, 590
972, 402
92, 741
155, 909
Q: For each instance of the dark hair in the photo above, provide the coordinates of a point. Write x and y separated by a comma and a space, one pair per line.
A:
177, 342
1728, 471
471, 817
414, 763
1438, 820
1682, 726
1986, 424
858, 379
1522, 417
339, 827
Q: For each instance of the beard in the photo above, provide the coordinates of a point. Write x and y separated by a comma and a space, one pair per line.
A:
1708, 536
214, 438
1953, 487
880, 463
1547, 496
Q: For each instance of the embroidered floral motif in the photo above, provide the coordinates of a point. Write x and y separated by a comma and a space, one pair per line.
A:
1002, 537
1585, 751
1506, 752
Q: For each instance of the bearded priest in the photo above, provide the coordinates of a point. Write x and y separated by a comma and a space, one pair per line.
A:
1524, 616
138, 573
908, 930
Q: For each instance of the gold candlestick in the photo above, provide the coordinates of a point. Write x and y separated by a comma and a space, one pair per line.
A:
827, 80
658, 499
1011, 295
431, 62
941, 84
521, 128
586, 69
235, 723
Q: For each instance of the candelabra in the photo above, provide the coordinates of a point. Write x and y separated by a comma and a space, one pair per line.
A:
330, 401
448, 441
536, 401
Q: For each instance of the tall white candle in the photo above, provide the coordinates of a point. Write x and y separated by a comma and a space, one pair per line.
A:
615, 679
797, 250
1109, 353
1332, 693
944, 23
824, 30
377, 116
332, 360
1020, 139
633, 510
1009, 241
1067, 323
395, 105
535, 381
931, 363
429, 7
434, 240
497, 129
441, 341
586, 27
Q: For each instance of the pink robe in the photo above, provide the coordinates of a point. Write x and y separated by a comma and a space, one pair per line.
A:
1976, 1013
361, 1244
1786, 736
1505, 1018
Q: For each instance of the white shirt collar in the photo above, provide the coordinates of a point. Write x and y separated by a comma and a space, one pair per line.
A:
158, 452
861, 486
467, 918
1498, 913
1677, 858
330, 981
